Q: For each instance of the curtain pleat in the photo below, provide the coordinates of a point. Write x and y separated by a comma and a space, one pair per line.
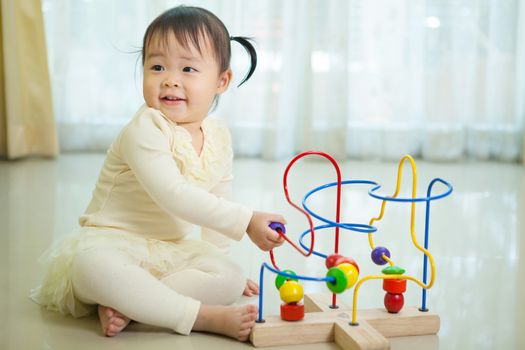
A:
27, 125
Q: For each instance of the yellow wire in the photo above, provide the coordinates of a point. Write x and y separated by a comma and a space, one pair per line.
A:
412, 233
383, 277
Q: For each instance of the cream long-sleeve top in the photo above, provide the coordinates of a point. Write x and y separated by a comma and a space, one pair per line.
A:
154, 184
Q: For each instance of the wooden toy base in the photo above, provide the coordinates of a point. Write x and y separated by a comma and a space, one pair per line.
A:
323, 324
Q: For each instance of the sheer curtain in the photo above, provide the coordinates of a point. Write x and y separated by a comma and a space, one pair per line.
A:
443, 80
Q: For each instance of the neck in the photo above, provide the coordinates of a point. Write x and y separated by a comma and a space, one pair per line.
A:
197, 136
193, 128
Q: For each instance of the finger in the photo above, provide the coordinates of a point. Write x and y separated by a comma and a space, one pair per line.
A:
274, 236
276, 242
278, 218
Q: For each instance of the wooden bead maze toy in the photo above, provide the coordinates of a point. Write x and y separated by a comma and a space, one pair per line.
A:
320, 318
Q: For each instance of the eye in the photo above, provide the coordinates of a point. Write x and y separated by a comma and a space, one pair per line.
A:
157, 68
188, 69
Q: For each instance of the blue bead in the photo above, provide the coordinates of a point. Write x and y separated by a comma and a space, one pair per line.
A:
377, 255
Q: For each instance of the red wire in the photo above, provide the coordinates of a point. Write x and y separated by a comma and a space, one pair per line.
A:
273, 260
312, 231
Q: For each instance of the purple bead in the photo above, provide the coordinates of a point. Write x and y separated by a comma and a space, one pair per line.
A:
277, 225
377, 255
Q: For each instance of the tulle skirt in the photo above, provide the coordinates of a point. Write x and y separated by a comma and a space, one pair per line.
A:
160, 258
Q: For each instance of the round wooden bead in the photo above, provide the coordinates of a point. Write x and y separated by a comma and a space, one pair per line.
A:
291, 292
394, 302
347, 260
340, 283
395, 286
377, 255
292, 312
331, 259
280, 279
351, 273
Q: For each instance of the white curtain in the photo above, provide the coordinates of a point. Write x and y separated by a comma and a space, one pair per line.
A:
439, 79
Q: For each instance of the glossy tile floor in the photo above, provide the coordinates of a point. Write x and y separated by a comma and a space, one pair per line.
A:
477, 238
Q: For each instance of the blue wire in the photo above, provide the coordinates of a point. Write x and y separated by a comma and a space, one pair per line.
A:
427, 224
348, 226
316, 228
420, 199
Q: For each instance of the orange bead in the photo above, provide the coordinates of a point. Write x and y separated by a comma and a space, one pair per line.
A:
292, 312
394, 286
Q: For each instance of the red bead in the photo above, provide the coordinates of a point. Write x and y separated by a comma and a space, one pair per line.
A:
394, 286
343, 259
394, 302
331, 259
292, 312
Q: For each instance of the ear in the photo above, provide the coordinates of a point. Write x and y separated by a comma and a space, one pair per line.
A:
224, 81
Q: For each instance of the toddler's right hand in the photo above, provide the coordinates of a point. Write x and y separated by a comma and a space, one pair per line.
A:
261, 234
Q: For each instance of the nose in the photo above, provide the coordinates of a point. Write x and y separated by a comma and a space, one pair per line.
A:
170, 82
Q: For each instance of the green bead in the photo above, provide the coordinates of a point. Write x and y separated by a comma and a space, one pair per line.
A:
341, 281
280, 279
393, 270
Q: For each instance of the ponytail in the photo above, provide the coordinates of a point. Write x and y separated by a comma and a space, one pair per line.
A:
244, 41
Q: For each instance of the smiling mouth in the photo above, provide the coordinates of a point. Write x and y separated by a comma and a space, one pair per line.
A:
172, 100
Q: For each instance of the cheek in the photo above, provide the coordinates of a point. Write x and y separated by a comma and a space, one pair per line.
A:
202, 89
149, 88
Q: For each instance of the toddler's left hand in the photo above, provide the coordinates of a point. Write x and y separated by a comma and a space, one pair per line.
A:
251, 288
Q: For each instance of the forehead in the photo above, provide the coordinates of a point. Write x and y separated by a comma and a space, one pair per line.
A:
169, 44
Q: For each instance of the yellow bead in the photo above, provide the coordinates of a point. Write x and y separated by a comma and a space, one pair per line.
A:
351, 272
291, 292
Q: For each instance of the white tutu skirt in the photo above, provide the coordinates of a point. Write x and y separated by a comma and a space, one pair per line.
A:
160, 258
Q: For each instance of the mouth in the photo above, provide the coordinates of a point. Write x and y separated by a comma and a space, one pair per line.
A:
172, 99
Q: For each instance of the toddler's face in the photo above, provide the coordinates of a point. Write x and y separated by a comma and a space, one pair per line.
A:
182, 83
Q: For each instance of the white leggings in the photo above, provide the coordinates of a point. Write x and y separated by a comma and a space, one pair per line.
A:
111, 277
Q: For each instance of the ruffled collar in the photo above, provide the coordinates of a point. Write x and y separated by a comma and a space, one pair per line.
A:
210, 166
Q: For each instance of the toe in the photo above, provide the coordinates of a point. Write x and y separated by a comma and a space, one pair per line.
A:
108, 332
246, 317
253, 316
113, 329
117, 321
247, 325
244, 334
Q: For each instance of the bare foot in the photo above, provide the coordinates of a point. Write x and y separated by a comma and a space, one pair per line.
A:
233, 321
112, 321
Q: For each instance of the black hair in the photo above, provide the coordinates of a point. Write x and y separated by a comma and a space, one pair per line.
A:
191, 25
